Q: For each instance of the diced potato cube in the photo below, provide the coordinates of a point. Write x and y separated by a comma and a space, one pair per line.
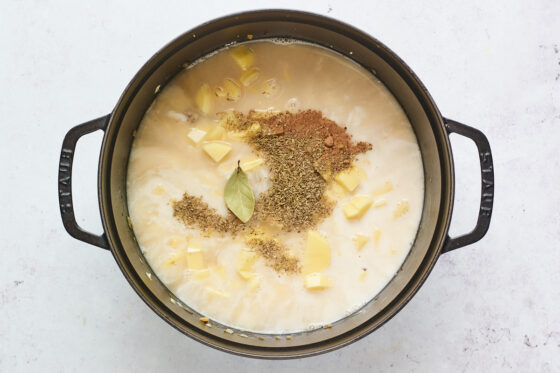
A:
376, 235
254, 282
379, 202
324, 171
349, 179
269, 87
401, 209
246, 275
383, 189
350, 211
336, 191
360, 240
325, 174
233, 90
249, 77
235, 135
251, 277
178, 242
317, 281
196, 135
201, 274
329, 194
245, 260
216, 133
255, 127
249, 165
176, 259
216, 293
217, 150
317, 253
195, 259
357, 207
243, 55
203, 98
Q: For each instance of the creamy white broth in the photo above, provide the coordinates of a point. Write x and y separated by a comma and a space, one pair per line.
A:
164, 165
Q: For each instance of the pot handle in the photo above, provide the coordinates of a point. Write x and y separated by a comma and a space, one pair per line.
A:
65, 181
487, 192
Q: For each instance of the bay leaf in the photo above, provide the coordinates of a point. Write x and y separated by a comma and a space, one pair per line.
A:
239, 196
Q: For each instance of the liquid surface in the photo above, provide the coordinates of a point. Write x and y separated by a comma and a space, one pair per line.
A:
164, 164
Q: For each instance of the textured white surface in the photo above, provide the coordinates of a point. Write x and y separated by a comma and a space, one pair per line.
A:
493, 306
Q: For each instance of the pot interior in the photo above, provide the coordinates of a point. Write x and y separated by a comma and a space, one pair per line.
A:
328, 33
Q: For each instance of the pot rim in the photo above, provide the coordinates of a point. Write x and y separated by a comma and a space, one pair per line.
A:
417, 280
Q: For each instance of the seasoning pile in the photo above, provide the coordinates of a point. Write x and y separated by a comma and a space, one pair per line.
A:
303, 152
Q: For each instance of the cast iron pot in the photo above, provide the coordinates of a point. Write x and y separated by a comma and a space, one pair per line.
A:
432, 132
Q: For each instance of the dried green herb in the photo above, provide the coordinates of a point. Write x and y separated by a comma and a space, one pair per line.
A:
239, 195
275, 254
193, 211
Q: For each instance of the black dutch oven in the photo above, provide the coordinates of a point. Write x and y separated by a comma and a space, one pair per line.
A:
431, 129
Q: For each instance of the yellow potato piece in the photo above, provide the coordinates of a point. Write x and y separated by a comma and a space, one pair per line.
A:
317, 281
401, 209
175, 259
195, 259
245, 260
243, 55
383, 189
360, 240
330, 195
325, 174
254, 127
201, 274
196, 135
349, 179
235, 135
203, 98
254, 282
252, 279
376, 236
216, 133
379, 202
249, 77
249, 165
217, 150
357, 207
246, 275
215, 293
178, 242
350, 211
317, 253
335, 191
233, 90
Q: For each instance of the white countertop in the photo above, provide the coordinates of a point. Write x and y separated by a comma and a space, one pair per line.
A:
492, 306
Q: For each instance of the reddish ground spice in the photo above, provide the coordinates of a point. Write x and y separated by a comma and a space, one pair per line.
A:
338, 148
